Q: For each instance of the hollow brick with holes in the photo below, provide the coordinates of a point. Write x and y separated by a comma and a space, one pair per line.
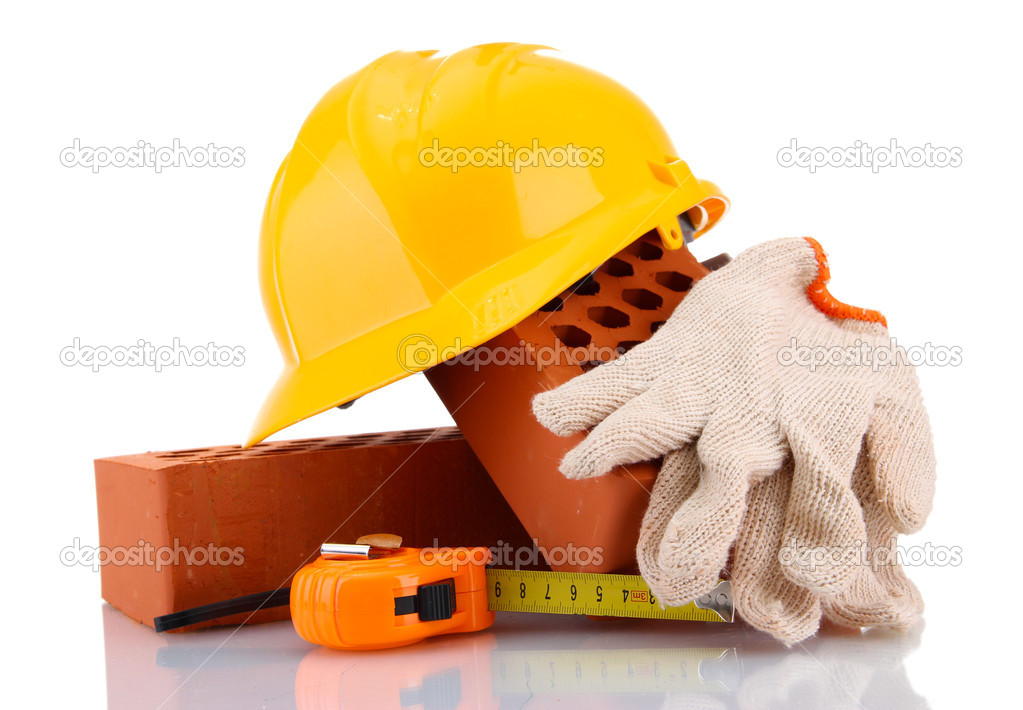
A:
278, 501
619, 306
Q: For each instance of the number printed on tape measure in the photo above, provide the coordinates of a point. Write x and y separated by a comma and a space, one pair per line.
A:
582, 593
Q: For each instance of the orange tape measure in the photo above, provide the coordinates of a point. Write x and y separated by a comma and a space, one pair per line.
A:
365, 597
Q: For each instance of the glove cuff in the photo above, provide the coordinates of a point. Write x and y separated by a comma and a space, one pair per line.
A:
827, 304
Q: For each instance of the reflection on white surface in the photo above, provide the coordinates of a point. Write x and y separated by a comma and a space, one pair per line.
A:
524, 661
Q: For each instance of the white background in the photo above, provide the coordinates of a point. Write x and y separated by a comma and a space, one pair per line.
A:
127, 254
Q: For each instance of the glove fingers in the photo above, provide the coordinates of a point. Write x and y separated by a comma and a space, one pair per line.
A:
868, 603
764, 597
586, 400
701, 531
824, 529
678, 478
902, 453
894, 581
660, 420
881, 594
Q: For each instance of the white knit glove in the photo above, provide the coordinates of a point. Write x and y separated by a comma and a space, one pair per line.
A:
880, 595
716, 374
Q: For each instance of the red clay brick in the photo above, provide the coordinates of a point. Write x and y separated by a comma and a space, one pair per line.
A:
278, 501
622, 304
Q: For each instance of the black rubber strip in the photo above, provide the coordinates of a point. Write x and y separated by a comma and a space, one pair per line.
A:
238, 605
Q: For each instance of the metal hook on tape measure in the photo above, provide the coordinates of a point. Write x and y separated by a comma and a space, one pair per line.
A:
366, 547
345, 550
719, 601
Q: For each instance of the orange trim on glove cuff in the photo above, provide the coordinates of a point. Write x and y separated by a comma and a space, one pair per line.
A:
826, 303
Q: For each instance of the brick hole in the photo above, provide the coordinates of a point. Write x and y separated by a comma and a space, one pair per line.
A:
293, 447
357, 440
645, 251
244, 453
183, 453
618, 268
555, 304
655, 326
456, 434
627, 345
341, 445
608, 317
674, 281
415, 432
413, 435
642, 299
590, 364
572, 336
586, 286
406, 439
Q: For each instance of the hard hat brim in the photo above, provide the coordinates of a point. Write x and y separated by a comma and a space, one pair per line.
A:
465, 317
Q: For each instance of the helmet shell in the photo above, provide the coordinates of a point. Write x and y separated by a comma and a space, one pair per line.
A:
430, 202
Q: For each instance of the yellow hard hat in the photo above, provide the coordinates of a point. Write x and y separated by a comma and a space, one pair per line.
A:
431, 202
